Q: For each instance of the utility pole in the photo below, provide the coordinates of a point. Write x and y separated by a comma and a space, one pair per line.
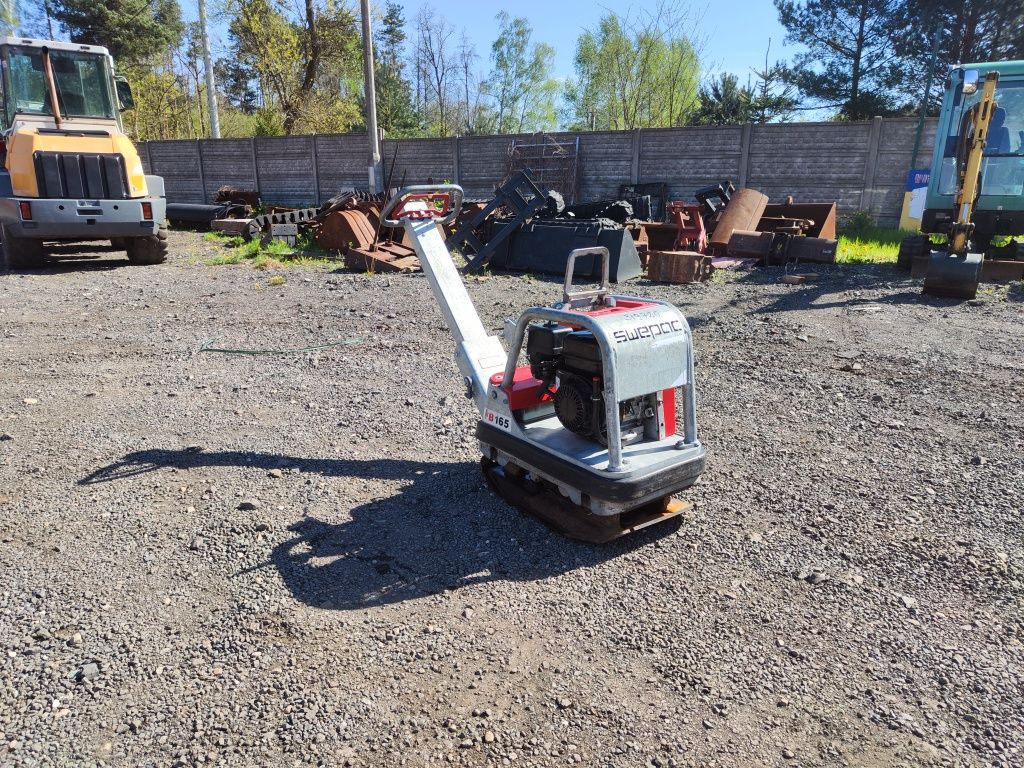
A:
370, 97
211, 86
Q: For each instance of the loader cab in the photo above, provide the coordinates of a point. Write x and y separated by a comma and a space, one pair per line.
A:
1000, 206
83, 81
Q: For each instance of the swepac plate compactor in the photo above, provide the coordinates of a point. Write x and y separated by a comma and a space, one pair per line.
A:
586, 435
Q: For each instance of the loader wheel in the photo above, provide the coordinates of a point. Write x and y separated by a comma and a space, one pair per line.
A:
151, 249
120, 243
911, 247
20, 252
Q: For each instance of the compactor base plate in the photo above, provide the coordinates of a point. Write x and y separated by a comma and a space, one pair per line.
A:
552, 508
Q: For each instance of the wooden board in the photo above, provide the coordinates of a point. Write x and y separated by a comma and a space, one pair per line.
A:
236, 226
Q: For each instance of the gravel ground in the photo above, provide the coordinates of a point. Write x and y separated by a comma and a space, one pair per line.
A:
294, 560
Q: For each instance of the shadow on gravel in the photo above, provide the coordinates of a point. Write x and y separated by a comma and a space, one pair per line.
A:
443, 530
91, 256
85, 265
838, 281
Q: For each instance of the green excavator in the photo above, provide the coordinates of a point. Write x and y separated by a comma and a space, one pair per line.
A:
975, 195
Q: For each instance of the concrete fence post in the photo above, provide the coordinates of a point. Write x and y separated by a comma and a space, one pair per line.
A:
255, 166
744, 169
202, 171
316, 170
871, 165
149, 157
456, 175
634, 168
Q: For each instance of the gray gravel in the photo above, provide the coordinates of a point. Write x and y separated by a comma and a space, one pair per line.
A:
294, 560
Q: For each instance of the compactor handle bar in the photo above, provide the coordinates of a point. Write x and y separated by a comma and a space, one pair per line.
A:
424, 199
578, 298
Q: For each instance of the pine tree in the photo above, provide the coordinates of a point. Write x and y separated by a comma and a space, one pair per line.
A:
396, 114
851, 64
133, 30
724, 101
969, 31
773, 96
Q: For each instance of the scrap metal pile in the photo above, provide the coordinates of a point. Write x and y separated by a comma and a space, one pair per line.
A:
347, 225
525, 229
728, 226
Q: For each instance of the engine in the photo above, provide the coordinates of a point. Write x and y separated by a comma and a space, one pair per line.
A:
569, 364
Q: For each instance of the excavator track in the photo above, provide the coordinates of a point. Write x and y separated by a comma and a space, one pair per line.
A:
543, 501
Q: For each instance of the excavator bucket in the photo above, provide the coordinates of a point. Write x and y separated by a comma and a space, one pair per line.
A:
545, 503
953, 276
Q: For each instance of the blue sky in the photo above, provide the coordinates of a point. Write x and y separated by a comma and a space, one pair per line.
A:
735, 33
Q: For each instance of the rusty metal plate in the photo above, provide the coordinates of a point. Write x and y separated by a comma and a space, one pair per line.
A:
384, 257
341, 230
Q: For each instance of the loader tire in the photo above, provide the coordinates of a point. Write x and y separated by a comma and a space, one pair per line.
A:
20, 252
911, 247
151, 249
120, 243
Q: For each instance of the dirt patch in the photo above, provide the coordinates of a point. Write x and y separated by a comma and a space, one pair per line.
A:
244, 560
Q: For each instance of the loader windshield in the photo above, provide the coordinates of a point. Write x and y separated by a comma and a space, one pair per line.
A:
82, 82
1002, 167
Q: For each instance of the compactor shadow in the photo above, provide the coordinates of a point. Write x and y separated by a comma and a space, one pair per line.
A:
443, 530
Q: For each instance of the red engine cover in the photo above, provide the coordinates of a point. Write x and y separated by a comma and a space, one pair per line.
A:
526, 391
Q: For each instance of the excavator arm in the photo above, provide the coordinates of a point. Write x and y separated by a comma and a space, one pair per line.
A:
956, 272
973, 136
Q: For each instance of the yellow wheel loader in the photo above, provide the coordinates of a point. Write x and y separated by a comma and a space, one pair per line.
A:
69, 172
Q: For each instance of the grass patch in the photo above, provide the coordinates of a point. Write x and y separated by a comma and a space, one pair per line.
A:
273, 255
868, 244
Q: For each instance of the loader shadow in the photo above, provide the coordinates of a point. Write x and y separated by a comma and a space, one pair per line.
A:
442, 530
69, 265
79, 257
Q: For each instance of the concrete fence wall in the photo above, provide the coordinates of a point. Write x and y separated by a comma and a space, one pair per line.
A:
860, 165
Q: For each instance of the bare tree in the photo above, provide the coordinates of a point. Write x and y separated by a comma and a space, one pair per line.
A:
438, 65
476, 113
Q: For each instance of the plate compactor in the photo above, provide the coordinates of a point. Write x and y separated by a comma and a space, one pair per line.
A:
586, 435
